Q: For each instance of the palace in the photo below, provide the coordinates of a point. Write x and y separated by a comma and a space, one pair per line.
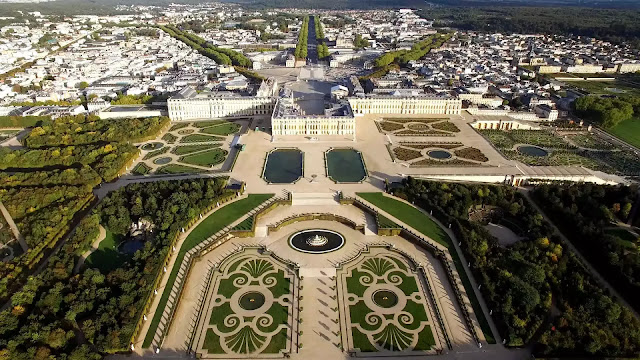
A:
190, 105
390, 104
289, 119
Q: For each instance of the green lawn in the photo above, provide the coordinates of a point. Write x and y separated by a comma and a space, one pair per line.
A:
606, 87
107, 257
245, 225
410, 215
211, 225
199, 138
178, 126
206, 158
628, 131
141, 169
188, 149
169, 138
207, 123
155, 153
223, 129
421, 222
177, 169
624, 237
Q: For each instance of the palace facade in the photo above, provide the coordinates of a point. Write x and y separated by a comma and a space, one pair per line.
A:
391, 104
288, 119
190, 105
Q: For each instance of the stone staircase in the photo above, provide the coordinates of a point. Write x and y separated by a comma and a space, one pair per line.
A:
314, 199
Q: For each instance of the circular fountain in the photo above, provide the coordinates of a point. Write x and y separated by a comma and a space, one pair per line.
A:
316, 241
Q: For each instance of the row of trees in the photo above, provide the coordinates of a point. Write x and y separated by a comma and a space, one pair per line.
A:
323, 49
301, 48
584, 212
318, 27
535, 287
418, 50
83, 175
138, 99
94, 131
219, 55
107, 160
607, 111
86, 315
21, 121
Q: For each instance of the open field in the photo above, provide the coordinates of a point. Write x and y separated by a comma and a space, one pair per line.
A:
628, 131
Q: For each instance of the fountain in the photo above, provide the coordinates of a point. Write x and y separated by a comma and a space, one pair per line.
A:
317, 240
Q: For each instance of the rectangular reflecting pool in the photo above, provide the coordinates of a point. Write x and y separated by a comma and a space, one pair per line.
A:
283, 166
345, 165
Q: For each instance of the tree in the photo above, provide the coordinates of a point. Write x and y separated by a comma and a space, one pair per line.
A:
359, 42
82, 85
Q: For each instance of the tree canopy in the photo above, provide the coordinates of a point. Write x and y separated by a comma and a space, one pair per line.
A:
535, 286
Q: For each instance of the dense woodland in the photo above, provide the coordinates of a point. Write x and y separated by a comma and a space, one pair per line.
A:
539, 292
94, 131
588, 214
47, 190
615, 25
89, 314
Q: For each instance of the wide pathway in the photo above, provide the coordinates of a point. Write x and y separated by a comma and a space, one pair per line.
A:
94, 247
13, 227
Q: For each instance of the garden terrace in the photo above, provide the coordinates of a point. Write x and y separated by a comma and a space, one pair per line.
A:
418, 154
384, 285
250, 307
417, 127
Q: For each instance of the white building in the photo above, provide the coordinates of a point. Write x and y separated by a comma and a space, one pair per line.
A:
406, 105
190, 105
289, 119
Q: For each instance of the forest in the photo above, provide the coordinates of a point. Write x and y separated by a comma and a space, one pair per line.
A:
614, 25
47, 190
587, 215
87, 314
538, 290
91, 130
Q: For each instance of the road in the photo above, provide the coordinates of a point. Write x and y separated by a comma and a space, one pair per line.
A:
312, 43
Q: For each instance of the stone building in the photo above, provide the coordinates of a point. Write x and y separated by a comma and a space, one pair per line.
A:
406, 105
190, 105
